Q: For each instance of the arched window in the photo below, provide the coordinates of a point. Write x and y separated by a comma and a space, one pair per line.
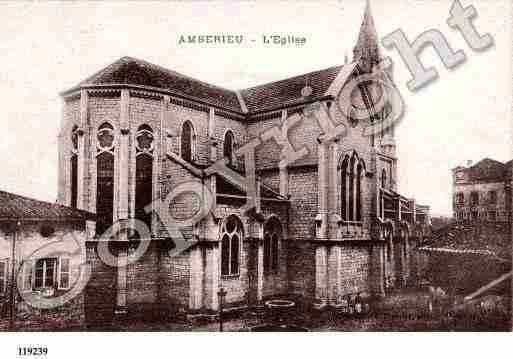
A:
352, 184
272, 237
187, 141
352, 171
104, 178
144, 173
74, 167
474, 198
383, 178
343, 188
228, 147
359, 175
231, 240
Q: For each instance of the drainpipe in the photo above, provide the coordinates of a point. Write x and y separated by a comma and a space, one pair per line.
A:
12, 299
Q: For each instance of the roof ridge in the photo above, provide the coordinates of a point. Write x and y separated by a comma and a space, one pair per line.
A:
12, 202
126, 59
56, 204
293, 77
30, 198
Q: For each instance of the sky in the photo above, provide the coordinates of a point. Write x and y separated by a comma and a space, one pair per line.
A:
48, 47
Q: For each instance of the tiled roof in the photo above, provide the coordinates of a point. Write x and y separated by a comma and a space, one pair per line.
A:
288, 91
14, 207
131, 71
128, 70
487, 170
472, 238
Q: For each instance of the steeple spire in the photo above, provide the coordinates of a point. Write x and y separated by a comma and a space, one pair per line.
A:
366, 50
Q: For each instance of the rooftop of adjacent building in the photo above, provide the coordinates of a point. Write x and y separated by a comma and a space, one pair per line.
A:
487, 170
479, 238
14, 207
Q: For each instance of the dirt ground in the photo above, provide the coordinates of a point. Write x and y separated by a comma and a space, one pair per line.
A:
400, 311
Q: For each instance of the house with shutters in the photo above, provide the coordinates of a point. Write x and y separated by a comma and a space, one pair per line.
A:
482, 191
147, 149
43, 268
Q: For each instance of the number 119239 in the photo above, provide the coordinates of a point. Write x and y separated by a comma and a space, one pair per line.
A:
32, 351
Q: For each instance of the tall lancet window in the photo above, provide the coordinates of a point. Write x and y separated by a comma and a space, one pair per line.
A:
359, 176
231, 240
352, 184
228, 147
344, 177
272, 237
144, 173
187, 140
104, 178
74, 167
384, 179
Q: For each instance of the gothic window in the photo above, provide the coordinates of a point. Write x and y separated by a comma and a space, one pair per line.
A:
460, 198
187, 142
231, 240
359, 173
104, 178
74, 140
384, 179
272, 237
228, 147
474, 198
74, 180
352, 186
74, 167
352, 173
144, 142
493, 197
105, 138
343, 190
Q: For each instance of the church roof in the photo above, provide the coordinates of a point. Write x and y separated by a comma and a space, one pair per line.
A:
288, 91
16, 207
131, 71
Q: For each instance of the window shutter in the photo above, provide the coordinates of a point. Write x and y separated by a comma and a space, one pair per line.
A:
3, 275
64, 273
27, 269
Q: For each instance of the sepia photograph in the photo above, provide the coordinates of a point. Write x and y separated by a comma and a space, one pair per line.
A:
253, 166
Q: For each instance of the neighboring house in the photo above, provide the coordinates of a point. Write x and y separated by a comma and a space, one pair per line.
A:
42, 248
327, 225
482, 192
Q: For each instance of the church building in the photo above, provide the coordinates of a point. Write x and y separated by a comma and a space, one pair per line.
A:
140, 144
